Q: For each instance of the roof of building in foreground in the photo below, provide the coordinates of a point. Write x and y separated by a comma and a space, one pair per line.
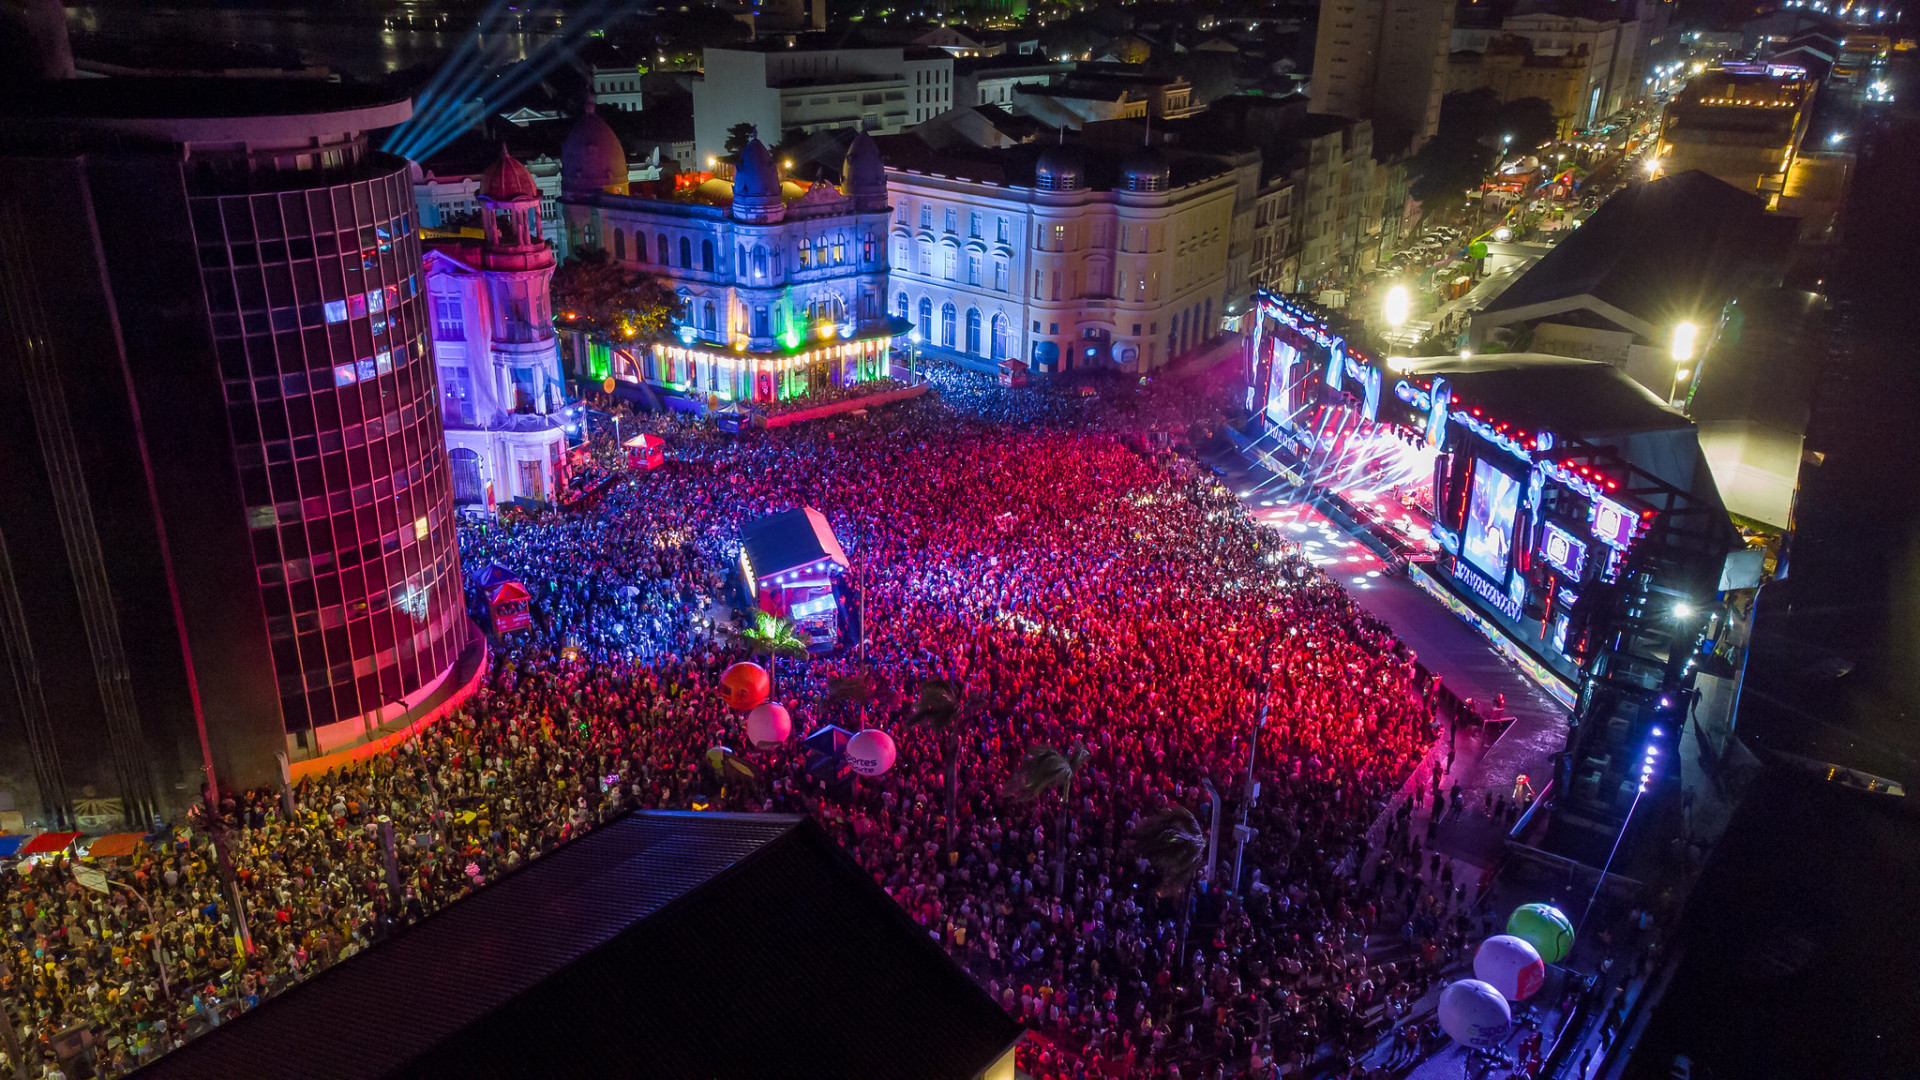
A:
661, 945
1673, 247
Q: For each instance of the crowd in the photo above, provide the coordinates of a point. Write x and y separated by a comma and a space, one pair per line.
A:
1024, 545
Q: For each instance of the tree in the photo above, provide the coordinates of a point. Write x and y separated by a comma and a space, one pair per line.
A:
592, 292
853, 691
1045, 770
1174, 844
1530, 121
941, 710
774, 635
736, 144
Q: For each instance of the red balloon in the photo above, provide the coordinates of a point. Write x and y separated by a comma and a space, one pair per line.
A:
745, 685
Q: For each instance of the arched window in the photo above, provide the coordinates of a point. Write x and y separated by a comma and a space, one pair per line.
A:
686, 253
759, 262
868, 247
839, 248
740, 260
999, 337
706, 255
947, 316
660, 246
709, 318
620, 245
926, 320
806, 252
467, 486
973, 331
900, 305
759, 322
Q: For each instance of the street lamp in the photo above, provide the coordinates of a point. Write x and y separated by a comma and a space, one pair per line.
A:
1396, 306
1685, 336
913, 358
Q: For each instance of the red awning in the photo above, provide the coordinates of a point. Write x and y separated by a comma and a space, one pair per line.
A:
114, 845
508, 591
644, 441
48, 843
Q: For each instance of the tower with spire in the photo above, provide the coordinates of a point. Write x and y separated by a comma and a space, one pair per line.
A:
501, 392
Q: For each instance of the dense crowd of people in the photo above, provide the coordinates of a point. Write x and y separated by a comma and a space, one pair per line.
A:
1077, 589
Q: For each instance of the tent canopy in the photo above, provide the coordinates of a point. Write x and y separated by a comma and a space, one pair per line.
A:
47, 843
644, 441
790, 539
506, 592
493, 574
114, 845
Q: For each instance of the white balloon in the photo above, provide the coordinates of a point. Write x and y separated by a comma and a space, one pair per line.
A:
870, 752
768, 724
1475, 1014
1510, 965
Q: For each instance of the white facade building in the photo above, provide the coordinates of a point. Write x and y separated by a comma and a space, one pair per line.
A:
618, 87
878, 91
493, 340
1045, 266
781, 284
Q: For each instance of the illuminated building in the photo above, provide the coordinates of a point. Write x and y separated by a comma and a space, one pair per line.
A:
493, 342
1066, 257
780, 282
228, 482
1741, 123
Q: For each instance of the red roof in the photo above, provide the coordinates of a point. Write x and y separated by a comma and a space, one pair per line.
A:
49, 842
507, 179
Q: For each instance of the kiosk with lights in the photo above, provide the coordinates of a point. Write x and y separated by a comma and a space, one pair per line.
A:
791, 565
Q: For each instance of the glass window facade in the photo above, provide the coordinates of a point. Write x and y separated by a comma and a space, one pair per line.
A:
322, 333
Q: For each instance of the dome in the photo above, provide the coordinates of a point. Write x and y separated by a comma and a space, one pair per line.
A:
506, 180
756, 178
862, 173
1144, 171
1059, 169
592, 158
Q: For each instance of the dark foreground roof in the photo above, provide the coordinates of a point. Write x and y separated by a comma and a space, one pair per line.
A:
1672, 248
1800, 956
670, 946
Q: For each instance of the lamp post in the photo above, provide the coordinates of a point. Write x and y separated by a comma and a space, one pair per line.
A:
1395, 307
913, 357
1686, 337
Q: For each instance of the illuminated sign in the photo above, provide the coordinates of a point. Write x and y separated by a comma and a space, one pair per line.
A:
1613, 524
1368, 377
1441, 397
1336, 363
1562, 551
1486, 590
1447, 539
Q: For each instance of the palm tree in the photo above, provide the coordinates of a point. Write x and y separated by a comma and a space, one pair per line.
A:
773, 634
942, 710
1047, 769
854, 690
1173, 842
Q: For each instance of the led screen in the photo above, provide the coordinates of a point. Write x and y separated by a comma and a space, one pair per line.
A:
1613, 524
1562, 551
1489, 537
1279, 378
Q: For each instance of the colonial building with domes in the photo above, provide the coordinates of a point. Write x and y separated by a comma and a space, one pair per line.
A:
1088, 254
782, 283
501, 391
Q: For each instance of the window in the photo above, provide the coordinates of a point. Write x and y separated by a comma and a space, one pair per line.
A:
665, 257
867, 247
759, 322
1003, 233
926, 319
973, 224
709, 318
947, 315
839, 248
806, 252
1059, 238
1000, 275
953, 220
973, 331
620, 245
336, 311
973, 269
706, 255
926, 259
926, 215
999, 337
686, 253
447, 320
759, 262
900, 305
456, 396
900, 213
949, 259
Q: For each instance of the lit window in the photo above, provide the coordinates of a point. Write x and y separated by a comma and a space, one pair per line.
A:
419, 528
356, 306
336, 311
262, 517
376, 301
343, 375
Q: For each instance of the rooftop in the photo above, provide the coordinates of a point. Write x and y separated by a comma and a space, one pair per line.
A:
1536, 392
1013, 166
1659, 251
679, 946
168, 97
